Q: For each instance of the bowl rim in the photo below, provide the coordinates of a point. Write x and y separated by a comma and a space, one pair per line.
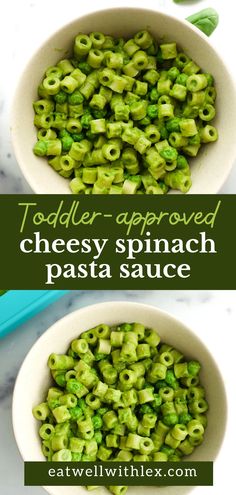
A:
110, 305
25, 170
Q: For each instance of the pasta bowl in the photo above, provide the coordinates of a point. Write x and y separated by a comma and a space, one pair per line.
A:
213, 163
34, 380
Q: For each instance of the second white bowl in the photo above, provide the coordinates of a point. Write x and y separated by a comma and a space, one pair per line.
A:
34, 379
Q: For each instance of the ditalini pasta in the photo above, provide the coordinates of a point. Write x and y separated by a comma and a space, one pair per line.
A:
124, 116
120, 394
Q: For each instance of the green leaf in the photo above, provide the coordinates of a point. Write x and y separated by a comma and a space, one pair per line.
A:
206, 20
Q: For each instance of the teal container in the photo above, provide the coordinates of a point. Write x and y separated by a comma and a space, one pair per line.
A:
18, 306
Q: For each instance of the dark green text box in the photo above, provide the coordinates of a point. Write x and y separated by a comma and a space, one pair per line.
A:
148, 242
124, 473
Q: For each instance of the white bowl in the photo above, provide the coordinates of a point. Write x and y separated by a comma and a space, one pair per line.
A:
33, 379
212, 166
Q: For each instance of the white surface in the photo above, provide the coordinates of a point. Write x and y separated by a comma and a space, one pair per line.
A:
25, 24
211, 315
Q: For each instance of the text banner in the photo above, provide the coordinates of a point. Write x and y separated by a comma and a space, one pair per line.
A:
125, 473
133, 242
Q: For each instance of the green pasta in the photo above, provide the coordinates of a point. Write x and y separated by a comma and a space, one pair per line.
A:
121, 116
121, 394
